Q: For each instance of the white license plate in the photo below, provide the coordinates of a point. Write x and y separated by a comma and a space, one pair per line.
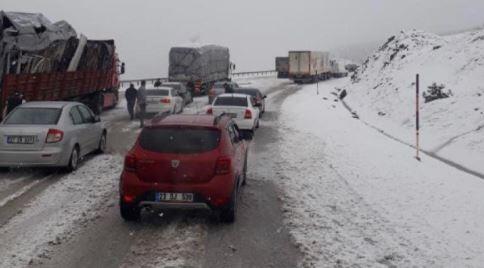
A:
21, 139
232, 115
174, 197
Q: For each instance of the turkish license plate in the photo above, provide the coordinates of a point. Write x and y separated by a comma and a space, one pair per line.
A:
20, 139
174, 197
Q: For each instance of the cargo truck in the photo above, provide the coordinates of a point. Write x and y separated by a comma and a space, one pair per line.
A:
199, 67
282, 67
46, 61
337, 70
309, 66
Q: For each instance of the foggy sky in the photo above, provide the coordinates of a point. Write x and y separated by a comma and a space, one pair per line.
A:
255, 30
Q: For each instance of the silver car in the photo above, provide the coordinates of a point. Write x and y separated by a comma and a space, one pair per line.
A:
181, 90
163, 99
53, 134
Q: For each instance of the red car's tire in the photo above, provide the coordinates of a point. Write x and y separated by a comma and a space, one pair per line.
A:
244, 174
129, 212
229, 213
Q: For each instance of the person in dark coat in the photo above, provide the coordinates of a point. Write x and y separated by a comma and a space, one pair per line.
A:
157, 83
130, 95
228, 88
141, 99
13, 101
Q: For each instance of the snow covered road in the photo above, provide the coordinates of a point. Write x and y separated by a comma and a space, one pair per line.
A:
324, 190
73, 220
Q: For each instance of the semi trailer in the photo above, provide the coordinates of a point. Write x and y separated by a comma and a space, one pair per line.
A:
309, 66
282, 67
199, 67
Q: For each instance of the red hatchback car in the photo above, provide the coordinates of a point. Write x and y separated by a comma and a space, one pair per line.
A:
185, 162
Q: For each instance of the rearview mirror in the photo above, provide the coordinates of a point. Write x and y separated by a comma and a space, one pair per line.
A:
265, 97
97, 119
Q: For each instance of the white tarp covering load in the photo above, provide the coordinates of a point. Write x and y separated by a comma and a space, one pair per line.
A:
22, 34
31, 32
206, 63
30, 43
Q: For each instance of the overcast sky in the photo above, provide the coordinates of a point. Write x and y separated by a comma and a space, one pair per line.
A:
255, 30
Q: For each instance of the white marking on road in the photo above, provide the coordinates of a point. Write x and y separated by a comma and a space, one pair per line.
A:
18, 193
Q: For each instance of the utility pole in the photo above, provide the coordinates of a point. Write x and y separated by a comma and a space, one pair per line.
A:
417, 117
317, 84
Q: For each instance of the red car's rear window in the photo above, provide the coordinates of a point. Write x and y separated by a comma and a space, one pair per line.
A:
182, 140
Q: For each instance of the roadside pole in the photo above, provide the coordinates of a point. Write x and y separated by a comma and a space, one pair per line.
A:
317, 84
417, 117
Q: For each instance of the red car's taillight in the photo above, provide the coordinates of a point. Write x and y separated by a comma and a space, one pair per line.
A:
54, 135
165, 100
210, 110
130, 162
248, 114
223, 166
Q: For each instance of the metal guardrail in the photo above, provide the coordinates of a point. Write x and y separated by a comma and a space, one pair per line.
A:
137, 82
234, 75
255, 73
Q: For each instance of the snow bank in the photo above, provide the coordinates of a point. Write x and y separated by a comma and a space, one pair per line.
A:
355, 198
59, 212
383, 92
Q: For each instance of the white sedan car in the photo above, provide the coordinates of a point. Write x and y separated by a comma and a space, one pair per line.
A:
163, 99
240, 107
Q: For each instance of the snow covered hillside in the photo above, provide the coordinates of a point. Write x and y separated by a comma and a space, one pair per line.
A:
383, 92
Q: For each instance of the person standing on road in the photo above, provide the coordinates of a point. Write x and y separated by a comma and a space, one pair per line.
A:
131, 95
228, 88
141, 98
13, 101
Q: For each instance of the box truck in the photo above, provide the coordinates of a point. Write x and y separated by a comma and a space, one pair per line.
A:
309, 66
282, 67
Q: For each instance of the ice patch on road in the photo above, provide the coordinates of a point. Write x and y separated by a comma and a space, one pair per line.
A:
59, 212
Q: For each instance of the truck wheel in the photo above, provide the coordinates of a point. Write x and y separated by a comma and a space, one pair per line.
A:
228, 214
129, 212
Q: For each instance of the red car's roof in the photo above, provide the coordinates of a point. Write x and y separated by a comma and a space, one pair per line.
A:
187, 120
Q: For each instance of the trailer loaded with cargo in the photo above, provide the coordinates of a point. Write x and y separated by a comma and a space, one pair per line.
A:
309, 66
282, 67
199, 67
47, 61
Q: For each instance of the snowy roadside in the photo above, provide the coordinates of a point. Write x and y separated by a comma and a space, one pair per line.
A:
355, 197
383, 93
59, 212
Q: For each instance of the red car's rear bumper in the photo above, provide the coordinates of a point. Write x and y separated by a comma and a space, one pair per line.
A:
216, 193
